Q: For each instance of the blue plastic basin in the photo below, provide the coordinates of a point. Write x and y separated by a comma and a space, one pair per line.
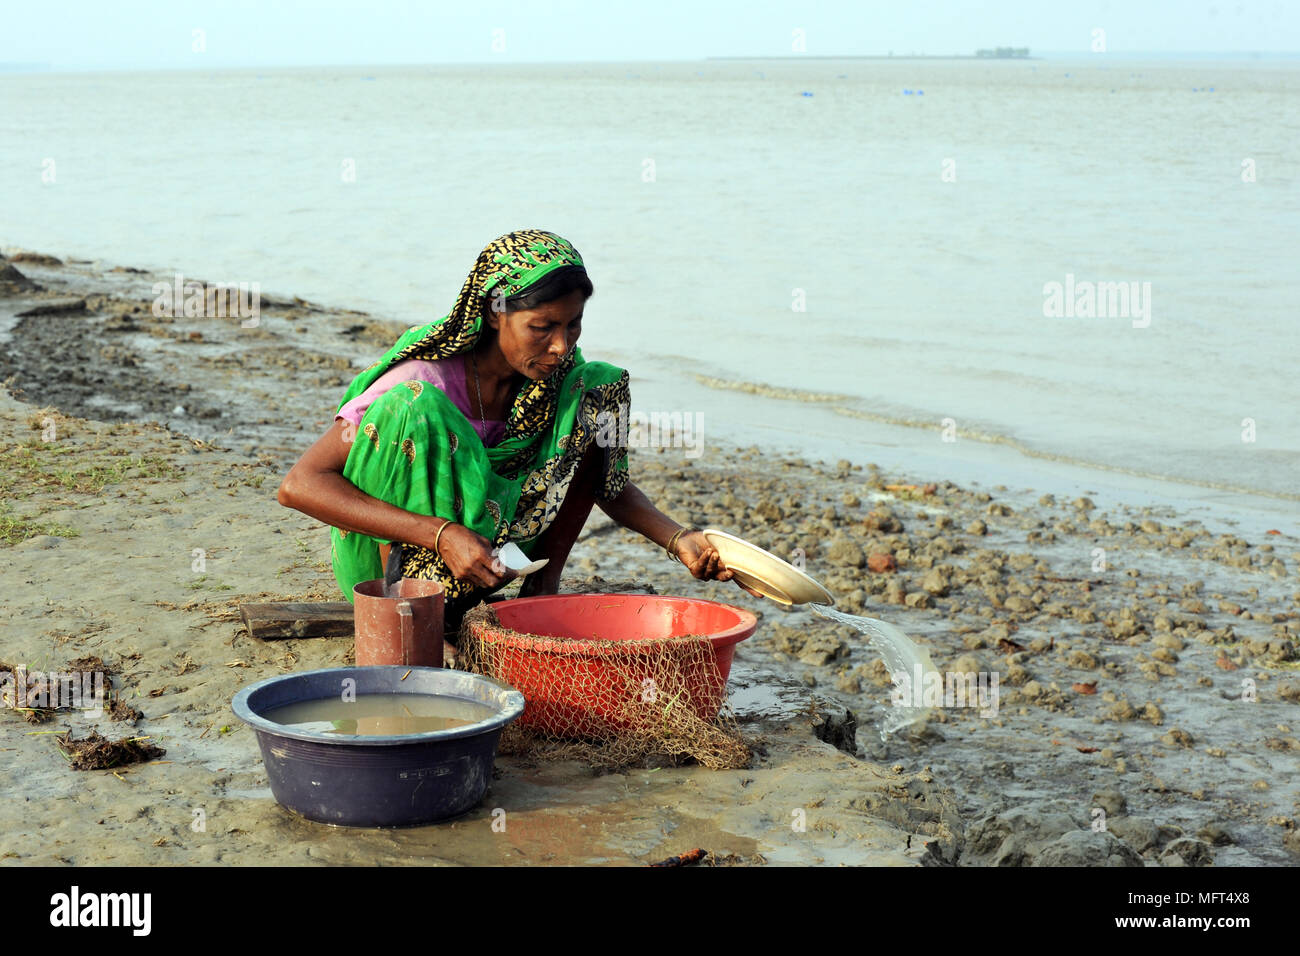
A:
378, 781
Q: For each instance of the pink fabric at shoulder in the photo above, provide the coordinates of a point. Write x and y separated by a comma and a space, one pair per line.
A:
412, 370
447, 374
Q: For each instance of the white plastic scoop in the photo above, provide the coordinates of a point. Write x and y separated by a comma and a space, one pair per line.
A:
514, 559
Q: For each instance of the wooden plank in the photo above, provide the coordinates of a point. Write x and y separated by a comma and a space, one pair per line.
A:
276, 622
273, 622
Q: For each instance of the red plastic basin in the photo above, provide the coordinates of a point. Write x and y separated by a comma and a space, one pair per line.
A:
578, 688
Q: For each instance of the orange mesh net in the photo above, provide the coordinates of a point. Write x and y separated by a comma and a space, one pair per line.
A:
610, 704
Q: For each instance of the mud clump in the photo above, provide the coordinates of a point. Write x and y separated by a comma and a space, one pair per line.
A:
91, 663
118, 709
916, 805
1043, 835
845, 553
1112, 801
1084, 848
39, 694
1214, 834
596, 583
12, 281
39, 690
94, 752
839, 729
1187, 852
881, 562
1137, 832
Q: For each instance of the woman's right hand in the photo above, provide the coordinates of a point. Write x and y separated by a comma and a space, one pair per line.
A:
703, 561
469, 556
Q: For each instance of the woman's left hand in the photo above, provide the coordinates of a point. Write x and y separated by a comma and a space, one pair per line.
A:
703, 560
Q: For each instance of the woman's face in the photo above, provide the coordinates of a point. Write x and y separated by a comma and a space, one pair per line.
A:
535, 341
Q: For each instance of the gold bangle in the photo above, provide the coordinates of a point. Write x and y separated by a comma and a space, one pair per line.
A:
438, 536
672, 542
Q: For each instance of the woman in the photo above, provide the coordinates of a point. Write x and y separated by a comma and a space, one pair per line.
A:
484, 427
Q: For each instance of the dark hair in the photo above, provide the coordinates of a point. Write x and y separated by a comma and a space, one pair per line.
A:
552, 286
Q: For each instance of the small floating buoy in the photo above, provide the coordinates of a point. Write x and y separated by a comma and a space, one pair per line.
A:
907, 92
805, 93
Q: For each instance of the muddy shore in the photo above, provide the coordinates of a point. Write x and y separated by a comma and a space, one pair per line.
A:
1149, 694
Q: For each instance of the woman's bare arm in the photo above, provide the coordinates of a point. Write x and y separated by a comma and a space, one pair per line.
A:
634, 511
316, 487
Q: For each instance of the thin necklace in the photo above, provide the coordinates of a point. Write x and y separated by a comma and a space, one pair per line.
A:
479, 393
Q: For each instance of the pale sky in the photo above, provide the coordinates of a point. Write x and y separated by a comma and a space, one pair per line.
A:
160, 34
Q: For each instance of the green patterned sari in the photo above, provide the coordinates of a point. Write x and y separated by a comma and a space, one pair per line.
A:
414, 449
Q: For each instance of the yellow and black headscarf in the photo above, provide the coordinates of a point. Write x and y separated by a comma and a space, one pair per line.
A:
507, 266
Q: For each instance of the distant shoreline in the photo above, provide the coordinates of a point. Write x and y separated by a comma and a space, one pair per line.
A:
1057, 56
854, 56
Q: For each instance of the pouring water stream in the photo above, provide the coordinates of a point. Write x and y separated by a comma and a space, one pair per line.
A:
903, 657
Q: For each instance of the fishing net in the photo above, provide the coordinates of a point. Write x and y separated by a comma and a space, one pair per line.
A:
610, 704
